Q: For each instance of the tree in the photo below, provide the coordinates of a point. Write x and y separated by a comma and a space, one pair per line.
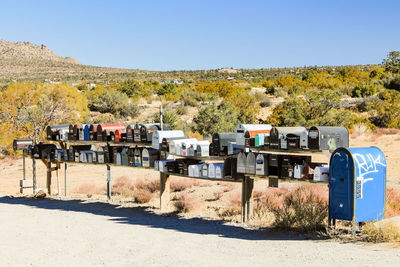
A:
216, 118
385, 111
392, 62
28, 108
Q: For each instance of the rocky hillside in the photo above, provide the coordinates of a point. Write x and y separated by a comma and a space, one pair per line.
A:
26, 51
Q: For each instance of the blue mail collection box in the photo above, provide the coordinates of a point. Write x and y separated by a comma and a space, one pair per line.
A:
357, 184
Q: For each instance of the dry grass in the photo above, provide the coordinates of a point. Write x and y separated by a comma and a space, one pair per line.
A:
185, 203
91, 189
123, 186
181, 184
392, 202
141, 191
386, 232
142, 196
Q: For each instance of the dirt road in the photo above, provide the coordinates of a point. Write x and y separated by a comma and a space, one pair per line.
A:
67, 232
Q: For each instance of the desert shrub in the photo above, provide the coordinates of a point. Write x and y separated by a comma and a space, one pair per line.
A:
170, 116
90, 189
123, 186
181, 110
304, 209
178, 185
213, 118
168, 89
386, 232
152, 186
133, 88
112, 101
185, 203
190, 98
364, 89
142, 196
392, 62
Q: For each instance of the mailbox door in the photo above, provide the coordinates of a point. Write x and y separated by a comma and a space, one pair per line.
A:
341, 185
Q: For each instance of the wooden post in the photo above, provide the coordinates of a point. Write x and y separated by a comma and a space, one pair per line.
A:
23, 164
247, 198
108, 182
65, 178
164, 191
48, 181
34, 175
58, 179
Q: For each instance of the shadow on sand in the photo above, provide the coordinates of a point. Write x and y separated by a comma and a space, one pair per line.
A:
141, 216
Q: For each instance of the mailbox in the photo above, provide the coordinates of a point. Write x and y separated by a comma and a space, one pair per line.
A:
259, 139
172, 166
147, 131
149, 156
273, 165
131, 156
93, 132
166, 142
221, 141
22, 144
86, 132
262, 164
191, 170
203, 149
241, 162
59, 155
133, 133
120, 135
288, 163
250, 137
81, 132
230, 168
138, 156
357, 184
103, 131
71, 132
159, 135
44, 151
251, 163
327, 138
57, 132
162, 165
124, 156
204, 170
100, 155
176, 145
288, 138
215, 170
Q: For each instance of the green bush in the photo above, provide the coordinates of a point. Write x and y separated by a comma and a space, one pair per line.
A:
213, 118
167, 89
394, 84
364, 89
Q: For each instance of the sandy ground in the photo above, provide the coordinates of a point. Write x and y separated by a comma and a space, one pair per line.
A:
65, 231
62, 232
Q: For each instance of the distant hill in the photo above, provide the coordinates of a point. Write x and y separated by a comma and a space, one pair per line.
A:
26, 61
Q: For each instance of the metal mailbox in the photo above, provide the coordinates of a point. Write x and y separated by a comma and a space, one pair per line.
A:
138, 156
44, 151
86, 132
93, 132
327, 138
251, 163
133, 133
175, 146
221, 141
250, 137
230, 168
71, 132
288, 138
124, 156
57, 132
131, 156
100, 155
59, 155
204, 170
215, 170
149, 156
262, 164
147, 131
273, 165
81, 132
241, 162
158, 136
357, 184
22, 144
166, 142
120, 135
202, 149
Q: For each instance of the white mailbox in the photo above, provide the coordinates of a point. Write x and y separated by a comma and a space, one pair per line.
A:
159, 135
262, 164
241, 162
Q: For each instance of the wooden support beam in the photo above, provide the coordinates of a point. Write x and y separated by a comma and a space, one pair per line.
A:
48, 180
164, 191
108, 182
65, 178
247, 198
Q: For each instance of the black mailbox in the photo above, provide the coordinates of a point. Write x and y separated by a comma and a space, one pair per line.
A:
222, 140
22, 144
43, 151
327, 138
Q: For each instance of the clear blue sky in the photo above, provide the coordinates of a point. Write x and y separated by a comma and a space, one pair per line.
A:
168, 35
